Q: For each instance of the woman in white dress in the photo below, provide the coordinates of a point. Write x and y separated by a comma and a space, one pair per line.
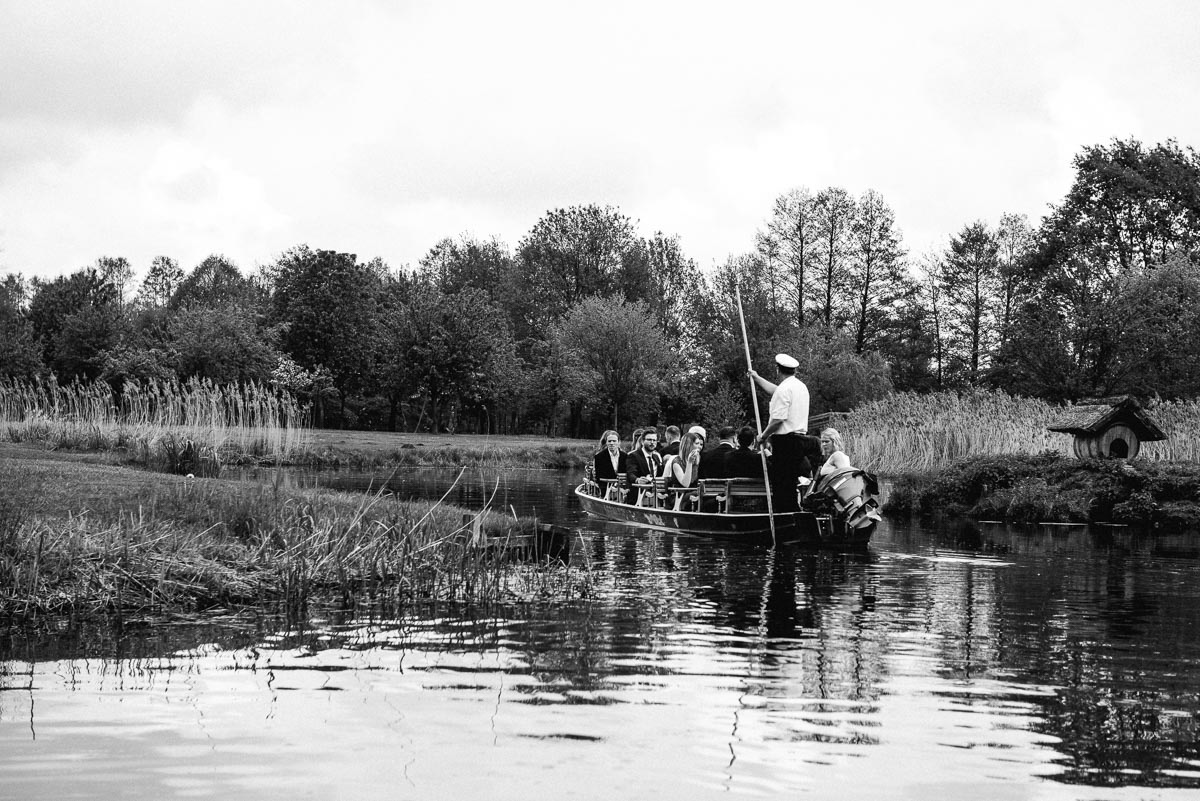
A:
833, 450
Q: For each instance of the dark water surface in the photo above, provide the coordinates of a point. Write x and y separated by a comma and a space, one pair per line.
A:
960, 662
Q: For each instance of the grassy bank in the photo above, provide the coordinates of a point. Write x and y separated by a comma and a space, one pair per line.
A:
85, 537
382, 449
1028, 488
198, 428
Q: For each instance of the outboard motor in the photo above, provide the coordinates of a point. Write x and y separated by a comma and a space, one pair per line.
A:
852, 495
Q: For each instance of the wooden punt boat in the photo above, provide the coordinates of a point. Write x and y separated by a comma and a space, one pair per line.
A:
846, 525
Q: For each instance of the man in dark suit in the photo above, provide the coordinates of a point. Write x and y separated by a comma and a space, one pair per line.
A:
713, 460
743, 462
642, 465
670, 443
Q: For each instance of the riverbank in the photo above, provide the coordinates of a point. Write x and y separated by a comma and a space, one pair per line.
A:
367, 449
78, 535
1023, 488
176, 451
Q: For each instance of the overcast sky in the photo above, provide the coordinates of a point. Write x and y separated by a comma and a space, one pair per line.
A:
183, 129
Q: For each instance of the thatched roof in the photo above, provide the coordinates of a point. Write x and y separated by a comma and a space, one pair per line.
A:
1095, 415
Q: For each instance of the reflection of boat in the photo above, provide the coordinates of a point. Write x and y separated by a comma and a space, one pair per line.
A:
836, 516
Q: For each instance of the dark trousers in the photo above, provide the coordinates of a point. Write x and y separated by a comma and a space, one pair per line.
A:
788, 463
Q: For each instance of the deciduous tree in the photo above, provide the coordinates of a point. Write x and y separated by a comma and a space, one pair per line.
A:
792, 226
162, 280
877, 276
970, 282
572, 254
20, 356
623, 346
833, 220
327, 306
76, 318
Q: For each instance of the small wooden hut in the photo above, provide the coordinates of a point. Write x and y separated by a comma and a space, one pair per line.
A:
1108, 428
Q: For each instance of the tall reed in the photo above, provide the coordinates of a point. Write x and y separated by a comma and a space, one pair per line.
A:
1180, 421
154, 420
906, 432
191, 546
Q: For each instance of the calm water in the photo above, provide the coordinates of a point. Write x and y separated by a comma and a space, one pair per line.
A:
981, 663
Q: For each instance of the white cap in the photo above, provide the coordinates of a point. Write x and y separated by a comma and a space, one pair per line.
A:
783, 360
698, 430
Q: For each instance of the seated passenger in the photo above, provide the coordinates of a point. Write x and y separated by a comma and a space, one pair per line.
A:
682, 470
743, 462
811, 456
670, 442
642, 465
636, 440
609, 461
713, 462
834, 450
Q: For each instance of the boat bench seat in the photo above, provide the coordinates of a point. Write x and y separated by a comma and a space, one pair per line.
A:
734, 494
614, 488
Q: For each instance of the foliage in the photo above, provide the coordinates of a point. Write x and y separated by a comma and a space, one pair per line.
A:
622, 347
74, 317
223, 344
878, 281
1157, 333
971, 282
835, 215
789, 236
572, 254
469, 263
20, 356
161, 283
215, 282
1052, 488
450, 344
838, 378
1129, 210
327, 306
1100, 299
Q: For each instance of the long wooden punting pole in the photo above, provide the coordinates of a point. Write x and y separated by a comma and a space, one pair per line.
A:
757, 417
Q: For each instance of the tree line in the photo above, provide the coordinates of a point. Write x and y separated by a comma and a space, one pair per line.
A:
586, 323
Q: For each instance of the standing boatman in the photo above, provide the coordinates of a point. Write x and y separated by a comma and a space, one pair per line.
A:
787, 428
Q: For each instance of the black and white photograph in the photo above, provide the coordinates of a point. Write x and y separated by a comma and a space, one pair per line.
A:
545, 400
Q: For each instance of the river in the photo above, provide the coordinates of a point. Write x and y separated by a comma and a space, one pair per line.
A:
946, 661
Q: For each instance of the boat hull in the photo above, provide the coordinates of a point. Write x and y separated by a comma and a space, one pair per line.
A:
802, 528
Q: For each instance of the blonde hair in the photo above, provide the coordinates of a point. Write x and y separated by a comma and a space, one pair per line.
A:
687, 444
604, 438
835, 439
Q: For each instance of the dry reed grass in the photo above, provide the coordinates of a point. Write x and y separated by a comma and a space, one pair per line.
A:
1180, 421
186, 545
906, 432
163, 425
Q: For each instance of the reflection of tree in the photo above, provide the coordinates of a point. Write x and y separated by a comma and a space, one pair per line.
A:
1110, 627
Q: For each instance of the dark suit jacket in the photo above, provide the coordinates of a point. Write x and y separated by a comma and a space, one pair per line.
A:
636, 466
669, 450
811, 458
743, 463
713, 462
603, 464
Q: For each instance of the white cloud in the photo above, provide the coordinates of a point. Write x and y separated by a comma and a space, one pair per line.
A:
140, 129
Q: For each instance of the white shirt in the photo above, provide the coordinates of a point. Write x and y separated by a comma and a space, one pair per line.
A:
790, 404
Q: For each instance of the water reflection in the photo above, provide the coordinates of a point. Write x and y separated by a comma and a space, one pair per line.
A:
958, 661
